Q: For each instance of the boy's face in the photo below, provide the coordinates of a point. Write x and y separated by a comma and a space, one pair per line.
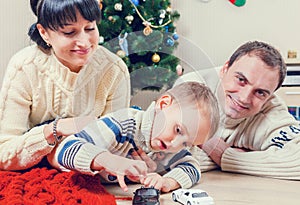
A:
177, 126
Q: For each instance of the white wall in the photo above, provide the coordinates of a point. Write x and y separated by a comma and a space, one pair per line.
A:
209, 32
218, 27
15, 19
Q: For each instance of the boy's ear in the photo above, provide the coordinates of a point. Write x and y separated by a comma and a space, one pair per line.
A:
164, 101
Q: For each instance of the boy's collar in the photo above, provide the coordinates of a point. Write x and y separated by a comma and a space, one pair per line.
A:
146, 126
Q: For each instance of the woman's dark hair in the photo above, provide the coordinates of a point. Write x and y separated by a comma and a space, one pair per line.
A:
54, 14
268, 54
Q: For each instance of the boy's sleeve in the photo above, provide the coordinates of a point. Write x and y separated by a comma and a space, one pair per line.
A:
76, 152
184, 169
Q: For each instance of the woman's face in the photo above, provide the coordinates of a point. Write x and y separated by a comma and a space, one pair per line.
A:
73, 44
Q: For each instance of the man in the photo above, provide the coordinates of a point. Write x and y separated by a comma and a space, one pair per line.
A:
257, 135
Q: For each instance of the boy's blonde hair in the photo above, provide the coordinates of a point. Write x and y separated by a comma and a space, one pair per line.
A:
200, 96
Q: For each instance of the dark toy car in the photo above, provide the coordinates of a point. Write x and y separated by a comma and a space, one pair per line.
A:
146, 196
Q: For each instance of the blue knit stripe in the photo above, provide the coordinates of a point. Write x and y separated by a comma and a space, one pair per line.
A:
121, 137
128, 131
183, 153
124, 131
113, 126
68, 153
190, 170
84, 135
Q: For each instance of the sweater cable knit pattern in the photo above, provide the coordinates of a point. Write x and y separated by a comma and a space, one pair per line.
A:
37, 88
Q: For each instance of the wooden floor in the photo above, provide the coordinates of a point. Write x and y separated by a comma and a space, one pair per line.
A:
231, 189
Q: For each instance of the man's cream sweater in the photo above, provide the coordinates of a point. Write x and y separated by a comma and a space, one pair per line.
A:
272, 137
37, 88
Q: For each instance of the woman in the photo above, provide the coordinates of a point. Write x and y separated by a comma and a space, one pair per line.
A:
66, 76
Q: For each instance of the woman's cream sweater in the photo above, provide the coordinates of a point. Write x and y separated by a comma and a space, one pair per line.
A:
37, 88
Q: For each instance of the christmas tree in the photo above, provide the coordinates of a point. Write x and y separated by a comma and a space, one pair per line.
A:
143, 34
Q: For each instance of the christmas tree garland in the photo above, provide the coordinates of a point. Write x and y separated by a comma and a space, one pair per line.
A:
147, 23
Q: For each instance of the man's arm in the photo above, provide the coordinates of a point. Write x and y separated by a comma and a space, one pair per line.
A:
268, 147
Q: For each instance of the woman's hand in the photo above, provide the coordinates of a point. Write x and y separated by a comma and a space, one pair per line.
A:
69, 126
66, 127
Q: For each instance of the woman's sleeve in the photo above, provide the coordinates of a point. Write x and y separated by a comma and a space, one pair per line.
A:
19, 148
119, 87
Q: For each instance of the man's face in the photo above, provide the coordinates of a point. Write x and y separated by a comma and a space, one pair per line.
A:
176, 127
247, 85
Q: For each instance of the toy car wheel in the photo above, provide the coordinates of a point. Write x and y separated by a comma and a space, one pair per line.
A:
189, 203
174, 197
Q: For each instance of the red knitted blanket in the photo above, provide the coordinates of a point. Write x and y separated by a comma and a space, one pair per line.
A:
48, 186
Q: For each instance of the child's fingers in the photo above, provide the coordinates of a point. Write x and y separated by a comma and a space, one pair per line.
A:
142, 168
136, 168
122, 182
153, 182
141, 155
135, 155
134, 178
150, 163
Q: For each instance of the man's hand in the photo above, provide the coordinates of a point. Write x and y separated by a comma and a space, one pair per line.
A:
120, 166
215, 148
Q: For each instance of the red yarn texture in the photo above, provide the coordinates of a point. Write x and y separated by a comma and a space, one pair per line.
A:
40, 186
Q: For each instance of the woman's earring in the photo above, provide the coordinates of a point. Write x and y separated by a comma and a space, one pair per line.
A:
48, 44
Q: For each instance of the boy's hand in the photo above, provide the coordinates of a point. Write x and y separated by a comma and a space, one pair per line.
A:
141, 155
164, 184
120, 166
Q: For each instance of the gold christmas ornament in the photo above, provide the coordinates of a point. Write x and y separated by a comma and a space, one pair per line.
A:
169, 9
155, 58
112, 19
121, 53
147, 30
100, 4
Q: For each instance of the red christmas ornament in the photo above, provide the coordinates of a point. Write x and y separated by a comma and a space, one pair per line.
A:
238, 2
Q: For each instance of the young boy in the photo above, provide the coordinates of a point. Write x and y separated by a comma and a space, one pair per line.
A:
183, 116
